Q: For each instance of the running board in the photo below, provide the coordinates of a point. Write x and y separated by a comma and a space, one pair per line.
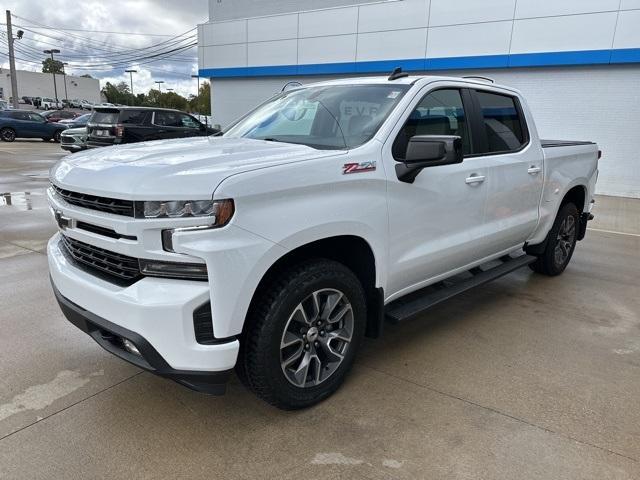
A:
416, 302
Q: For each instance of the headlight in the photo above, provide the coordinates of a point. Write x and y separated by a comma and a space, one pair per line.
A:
222, 210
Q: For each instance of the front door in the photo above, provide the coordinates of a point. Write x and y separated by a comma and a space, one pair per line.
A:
436, 223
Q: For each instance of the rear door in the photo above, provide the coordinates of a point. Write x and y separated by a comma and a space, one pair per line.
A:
136, 125
22, 124
514, 168
176, 124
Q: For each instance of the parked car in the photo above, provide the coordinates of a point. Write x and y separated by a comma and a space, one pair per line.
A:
28, 100
25, 124
50, 104
75, 103
4, 105
74, 139
104, 104
86, 105
80, 121
118, 125
53, 116
278, 246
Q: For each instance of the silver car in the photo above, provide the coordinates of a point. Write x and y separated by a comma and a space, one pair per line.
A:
74, 139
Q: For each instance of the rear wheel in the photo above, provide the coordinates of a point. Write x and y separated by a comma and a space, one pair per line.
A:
7, 134
56, 136
302, 334
561, 242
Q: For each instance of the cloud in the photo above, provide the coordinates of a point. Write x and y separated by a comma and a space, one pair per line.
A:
164, 18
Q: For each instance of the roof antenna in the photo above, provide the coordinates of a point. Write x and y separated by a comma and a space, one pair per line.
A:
397, 73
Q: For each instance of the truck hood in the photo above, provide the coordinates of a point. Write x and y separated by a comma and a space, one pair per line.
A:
181, 169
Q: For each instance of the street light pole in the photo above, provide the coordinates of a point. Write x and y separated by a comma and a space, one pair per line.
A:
131, 72
64, 72
53, 71
160, 82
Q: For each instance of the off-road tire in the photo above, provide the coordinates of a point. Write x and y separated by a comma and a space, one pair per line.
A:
547, 262
259, 361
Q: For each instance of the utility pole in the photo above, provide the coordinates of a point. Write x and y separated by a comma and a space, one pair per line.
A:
64, 72
131, 72
12, 61
53, 70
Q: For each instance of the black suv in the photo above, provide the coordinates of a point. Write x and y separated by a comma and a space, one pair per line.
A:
118, 125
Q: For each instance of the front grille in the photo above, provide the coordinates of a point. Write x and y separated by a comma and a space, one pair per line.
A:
93, 202
114, 267
65, 140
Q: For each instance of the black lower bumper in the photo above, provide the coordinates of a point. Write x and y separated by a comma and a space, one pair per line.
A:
110, 337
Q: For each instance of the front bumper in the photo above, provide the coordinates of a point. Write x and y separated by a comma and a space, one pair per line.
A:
109, 336
157, 310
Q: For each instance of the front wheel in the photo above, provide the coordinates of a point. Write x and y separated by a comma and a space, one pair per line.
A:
302, 334
561, 242
7, 134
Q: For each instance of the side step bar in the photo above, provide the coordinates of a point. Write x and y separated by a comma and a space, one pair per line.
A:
415, 303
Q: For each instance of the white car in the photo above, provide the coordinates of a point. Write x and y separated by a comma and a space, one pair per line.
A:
50, 104
278, 246
86, 105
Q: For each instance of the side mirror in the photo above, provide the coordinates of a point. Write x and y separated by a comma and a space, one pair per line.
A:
425, 151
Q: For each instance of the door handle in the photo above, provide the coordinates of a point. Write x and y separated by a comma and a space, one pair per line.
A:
474, 178
533, 170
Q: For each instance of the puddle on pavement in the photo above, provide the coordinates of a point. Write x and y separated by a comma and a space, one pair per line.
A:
21, 200
42, 175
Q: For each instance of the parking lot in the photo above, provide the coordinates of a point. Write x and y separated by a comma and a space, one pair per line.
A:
528, 376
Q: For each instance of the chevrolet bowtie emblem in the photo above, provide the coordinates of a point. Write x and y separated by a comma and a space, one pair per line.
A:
62, 221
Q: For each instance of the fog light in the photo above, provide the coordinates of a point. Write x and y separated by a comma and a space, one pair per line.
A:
130, 347
160, 268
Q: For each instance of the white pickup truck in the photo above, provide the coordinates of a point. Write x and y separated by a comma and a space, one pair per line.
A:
277, 246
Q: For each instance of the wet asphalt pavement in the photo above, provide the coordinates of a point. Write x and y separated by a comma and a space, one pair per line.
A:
527, 377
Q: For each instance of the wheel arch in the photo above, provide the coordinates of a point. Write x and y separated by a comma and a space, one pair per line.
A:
576, 195
355, 253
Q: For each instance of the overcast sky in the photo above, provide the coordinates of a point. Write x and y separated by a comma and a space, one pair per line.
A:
164, 18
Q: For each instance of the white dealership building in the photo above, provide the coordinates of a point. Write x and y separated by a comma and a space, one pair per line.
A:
38, 84
576, 61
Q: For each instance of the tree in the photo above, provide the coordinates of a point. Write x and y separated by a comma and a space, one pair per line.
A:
202, 103
52, 66
123, 87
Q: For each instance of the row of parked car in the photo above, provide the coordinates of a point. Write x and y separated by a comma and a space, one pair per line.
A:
46, 103
106, 125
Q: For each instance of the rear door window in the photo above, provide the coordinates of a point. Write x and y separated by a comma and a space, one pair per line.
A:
167, 119
502, 120
133, 117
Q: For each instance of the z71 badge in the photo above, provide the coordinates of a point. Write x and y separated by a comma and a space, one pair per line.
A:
358, 167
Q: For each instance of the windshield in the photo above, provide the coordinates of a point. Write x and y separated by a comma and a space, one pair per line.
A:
328, 117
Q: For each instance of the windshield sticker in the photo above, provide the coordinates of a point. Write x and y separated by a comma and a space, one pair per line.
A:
393, 94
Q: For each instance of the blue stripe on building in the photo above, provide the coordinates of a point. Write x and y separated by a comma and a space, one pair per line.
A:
516, 60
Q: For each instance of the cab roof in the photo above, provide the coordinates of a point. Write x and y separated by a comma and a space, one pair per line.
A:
409, 80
